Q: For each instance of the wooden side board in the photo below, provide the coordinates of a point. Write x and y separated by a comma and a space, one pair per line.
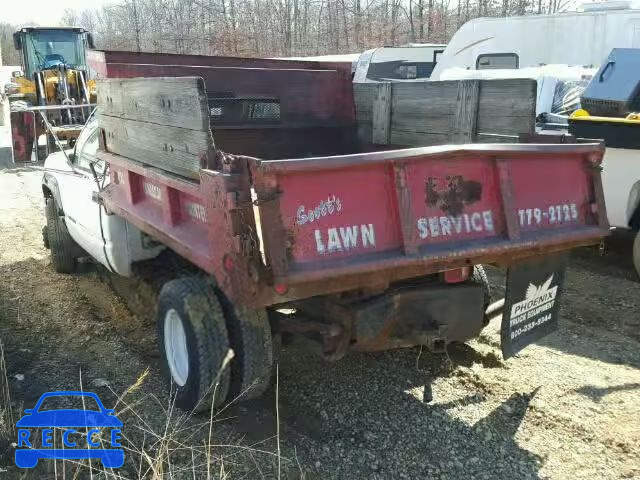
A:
435, 113
162, 122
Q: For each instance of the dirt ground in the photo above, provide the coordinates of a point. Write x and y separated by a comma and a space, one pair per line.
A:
567, 408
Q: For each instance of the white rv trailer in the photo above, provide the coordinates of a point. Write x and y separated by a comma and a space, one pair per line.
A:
578, 38
413, 62
351, 58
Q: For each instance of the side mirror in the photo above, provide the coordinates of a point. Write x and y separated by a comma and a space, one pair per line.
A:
28, 411
72, 157
90, 41
109, 411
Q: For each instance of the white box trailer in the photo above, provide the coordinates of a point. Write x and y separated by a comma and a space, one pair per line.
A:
578, 38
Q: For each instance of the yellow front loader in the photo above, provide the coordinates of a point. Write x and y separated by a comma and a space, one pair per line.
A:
52, 99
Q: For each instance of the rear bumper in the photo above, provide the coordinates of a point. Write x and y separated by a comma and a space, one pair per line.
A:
429, 315
386, 269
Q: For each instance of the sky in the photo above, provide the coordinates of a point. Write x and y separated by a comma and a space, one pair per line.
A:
43, 12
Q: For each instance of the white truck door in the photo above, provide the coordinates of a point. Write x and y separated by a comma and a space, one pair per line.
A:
79, 206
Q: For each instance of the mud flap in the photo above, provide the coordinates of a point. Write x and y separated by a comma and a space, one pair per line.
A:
532, 301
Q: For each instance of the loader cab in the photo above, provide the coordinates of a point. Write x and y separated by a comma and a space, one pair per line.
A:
47, 48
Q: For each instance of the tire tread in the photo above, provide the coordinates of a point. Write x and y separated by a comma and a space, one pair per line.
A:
209, 333
251, 338
60, 243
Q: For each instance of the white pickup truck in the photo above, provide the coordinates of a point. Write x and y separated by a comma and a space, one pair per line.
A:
621, 168
77, 225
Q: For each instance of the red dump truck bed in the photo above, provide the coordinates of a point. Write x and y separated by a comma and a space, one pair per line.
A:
329, 224
380, 248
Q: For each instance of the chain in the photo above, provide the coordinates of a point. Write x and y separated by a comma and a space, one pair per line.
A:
250, 244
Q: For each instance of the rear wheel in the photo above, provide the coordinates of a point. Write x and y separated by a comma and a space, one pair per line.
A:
479, 276
252, 342
193, 342
636, 252
58, 240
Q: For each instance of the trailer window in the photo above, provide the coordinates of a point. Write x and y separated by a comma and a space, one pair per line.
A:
491, 61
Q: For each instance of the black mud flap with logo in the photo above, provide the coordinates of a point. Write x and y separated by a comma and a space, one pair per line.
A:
532, 301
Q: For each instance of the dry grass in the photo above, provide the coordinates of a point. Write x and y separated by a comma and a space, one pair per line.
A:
7, 417
169, 452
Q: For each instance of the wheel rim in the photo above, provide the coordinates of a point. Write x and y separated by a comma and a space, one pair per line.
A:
175, 346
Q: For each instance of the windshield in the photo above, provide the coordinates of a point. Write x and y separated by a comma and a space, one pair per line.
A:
49, 48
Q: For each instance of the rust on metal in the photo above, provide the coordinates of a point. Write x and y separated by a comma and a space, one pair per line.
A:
456, 194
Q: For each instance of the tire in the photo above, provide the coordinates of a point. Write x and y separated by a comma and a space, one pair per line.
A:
636, 252
191, 304
479, 276
252, 342
58, 240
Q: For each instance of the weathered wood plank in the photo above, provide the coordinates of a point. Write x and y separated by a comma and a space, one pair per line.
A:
173, 149
409, 138
365, 132
464, 121
172, 101
418, 107
507, 106
427, 90
364, 94
431, 113
430, 124
507, 125
382, 114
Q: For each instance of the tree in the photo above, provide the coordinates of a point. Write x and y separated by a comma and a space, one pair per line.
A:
284, 27
8, 54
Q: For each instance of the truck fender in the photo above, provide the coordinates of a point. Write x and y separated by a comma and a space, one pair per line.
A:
633, 207
50, 190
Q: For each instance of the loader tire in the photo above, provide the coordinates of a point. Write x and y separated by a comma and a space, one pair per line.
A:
636, 252
193, 342
58, 240
251, 339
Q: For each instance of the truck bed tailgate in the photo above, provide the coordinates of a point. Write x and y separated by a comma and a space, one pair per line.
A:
433, 206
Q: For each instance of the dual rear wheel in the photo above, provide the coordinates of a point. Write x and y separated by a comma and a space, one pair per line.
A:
197, 329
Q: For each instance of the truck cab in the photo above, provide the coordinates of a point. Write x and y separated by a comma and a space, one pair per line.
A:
79, 226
